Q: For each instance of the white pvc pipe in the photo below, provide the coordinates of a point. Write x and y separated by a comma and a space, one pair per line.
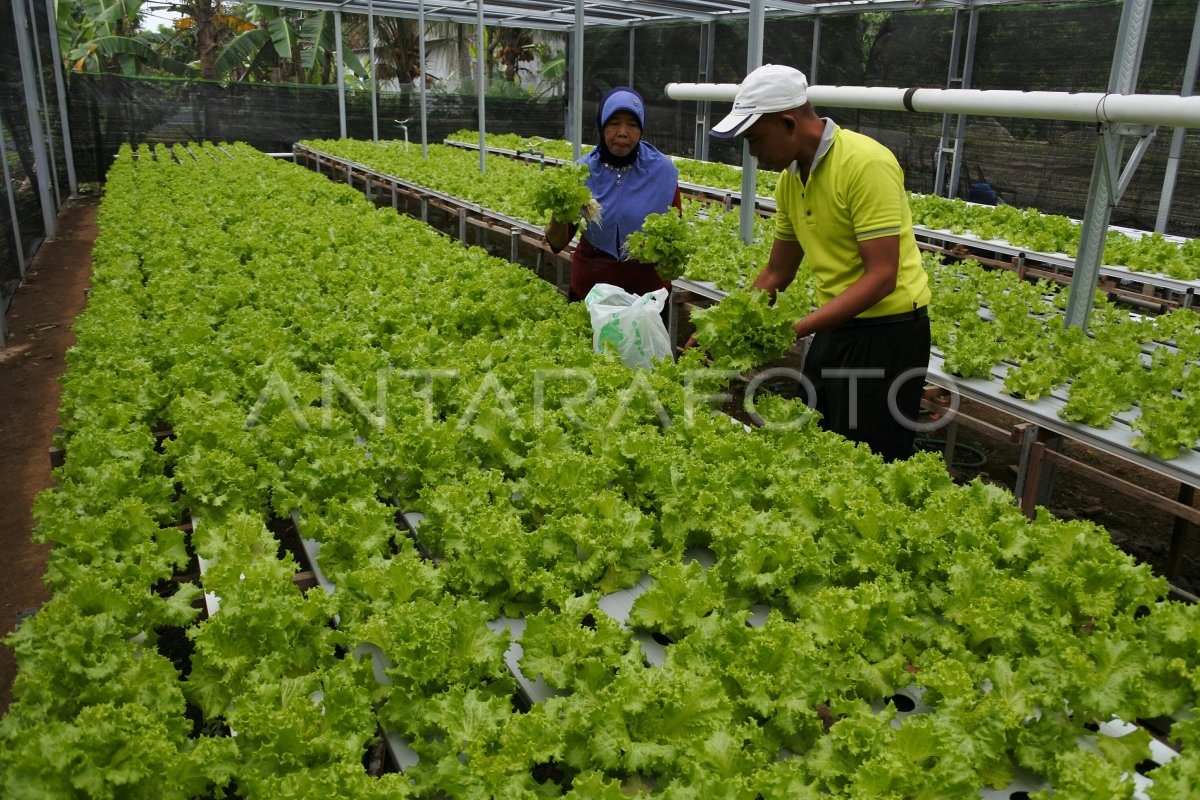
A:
1148, 109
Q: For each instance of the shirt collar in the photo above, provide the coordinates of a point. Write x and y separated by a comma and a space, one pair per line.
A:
822, 146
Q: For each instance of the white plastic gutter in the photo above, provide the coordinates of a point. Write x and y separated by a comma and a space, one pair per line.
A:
1140, 109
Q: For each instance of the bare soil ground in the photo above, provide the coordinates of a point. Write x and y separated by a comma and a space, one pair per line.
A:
45, 306
39, 333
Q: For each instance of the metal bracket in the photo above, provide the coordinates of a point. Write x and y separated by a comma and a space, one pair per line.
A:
1112, 136
540, 156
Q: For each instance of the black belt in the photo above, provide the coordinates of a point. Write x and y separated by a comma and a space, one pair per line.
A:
867, 322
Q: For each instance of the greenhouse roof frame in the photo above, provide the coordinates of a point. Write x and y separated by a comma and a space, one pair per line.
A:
560, 16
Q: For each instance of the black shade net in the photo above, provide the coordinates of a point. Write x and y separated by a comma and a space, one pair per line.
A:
108, 110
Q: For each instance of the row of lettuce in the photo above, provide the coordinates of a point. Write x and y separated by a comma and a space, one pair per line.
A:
987, 323
316, 358
1021, 227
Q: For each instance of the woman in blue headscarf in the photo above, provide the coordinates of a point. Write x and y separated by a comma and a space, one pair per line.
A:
630, 179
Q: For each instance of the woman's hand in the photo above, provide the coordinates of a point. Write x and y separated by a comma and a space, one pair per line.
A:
558, 234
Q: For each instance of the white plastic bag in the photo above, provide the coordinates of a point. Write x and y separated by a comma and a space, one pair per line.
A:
632, 323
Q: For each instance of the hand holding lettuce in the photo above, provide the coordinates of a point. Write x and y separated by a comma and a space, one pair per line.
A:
746, 330
562, 195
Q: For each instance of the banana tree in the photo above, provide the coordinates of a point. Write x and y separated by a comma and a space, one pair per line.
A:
280, 44
319, 51
103, 36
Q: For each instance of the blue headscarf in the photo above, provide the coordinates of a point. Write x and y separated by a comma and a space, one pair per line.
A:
628, 189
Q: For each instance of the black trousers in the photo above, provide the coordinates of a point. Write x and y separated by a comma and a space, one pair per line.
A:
867, 377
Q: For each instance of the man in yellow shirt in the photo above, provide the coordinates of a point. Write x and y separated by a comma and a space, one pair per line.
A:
842, 202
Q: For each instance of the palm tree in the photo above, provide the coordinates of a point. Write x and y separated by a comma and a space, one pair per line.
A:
205, 23
397, 49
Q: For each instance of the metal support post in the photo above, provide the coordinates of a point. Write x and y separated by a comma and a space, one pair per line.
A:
1104, 193
632, 49
45, 101
421, 79
37, 136
1177, 136
341, 74
18, 245
754, 54
960, 134
480, 88
707, 36
61, 88
673, 318
462, 226
958, 77
374, 78
815, 61
576, 77
951, 443
514, 242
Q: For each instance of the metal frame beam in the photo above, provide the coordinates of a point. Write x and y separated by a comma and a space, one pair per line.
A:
371, 67
61, 89
548, 15
421, 79
341, 72
480, 77
708, 34
41, 159
18, 245
576, 109
754, 60
1106, 187
1177, 136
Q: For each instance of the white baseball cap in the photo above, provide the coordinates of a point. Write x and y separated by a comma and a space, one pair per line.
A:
771, 87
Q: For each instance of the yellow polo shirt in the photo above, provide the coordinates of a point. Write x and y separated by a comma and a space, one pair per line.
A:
855, 192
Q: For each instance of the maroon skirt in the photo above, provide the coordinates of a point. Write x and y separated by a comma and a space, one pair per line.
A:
590, 266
